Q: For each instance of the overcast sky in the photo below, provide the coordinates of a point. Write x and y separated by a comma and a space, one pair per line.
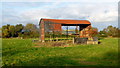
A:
100, 13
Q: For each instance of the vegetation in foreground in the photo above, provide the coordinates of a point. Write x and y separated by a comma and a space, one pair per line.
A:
21, 52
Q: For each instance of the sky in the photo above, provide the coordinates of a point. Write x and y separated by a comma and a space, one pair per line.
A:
100, 13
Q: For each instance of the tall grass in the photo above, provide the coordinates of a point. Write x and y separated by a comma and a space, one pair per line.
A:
20, 52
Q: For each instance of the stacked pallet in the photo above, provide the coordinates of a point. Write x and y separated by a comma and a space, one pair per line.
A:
93, 40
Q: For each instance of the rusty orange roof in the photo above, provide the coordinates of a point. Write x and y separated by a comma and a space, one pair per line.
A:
63, 21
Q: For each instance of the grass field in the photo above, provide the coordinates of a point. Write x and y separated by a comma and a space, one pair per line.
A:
21, 52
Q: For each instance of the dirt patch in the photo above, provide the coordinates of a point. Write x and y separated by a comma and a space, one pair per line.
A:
88, 62
36, 46
53, 44
58, 44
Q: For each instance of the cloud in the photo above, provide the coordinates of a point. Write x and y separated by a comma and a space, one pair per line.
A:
100, 16
60, 1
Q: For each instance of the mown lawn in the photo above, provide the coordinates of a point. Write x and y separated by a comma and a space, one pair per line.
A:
21, 52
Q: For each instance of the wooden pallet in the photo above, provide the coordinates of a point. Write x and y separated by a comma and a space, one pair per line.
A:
92, 42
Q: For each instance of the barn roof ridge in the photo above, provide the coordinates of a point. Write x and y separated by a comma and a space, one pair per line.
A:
67, 21
62, 19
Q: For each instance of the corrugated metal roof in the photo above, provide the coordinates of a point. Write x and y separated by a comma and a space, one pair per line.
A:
63, 21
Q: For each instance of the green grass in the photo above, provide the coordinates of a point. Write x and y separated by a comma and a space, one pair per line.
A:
20, 52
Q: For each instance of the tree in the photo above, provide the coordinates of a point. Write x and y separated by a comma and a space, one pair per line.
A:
12, 30
5, 31
31, 30
102, 34
18, 29
110, 31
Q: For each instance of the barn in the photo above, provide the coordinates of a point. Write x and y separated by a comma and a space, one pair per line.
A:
55, 26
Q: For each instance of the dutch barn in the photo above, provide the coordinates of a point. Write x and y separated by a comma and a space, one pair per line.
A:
55, 25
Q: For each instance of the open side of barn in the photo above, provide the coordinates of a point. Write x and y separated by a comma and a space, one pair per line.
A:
55, 25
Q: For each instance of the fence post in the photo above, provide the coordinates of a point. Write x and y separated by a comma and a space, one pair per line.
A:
73, 40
